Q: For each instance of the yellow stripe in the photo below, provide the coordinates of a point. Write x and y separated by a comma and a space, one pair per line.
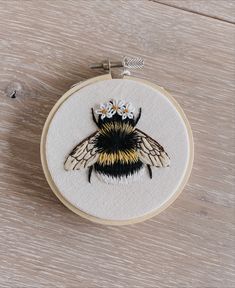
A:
116, 126
125, 157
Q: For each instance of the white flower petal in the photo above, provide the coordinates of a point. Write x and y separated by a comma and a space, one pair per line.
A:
121, 103
109, 105
130, 115
102, 106
99, 111
130, 107
120, 112
114, 102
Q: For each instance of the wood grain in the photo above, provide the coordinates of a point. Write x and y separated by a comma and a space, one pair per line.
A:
218, 9
45, 46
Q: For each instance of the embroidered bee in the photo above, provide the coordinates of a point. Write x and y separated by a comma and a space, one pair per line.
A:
118, 151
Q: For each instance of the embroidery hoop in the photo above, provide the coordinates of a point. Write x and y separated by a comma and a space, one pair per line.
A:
73, 208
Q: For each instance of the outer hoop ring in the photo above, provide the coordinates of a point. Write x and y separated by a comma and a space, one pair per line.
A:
75, 209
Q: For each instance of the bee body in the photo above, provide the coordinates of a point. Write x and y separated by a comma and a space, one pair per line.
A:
117, 144
118, 151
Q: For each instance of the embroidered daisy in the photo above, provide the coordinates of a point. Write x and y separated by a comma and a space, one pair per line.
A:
117, 107
127, 111
104, 110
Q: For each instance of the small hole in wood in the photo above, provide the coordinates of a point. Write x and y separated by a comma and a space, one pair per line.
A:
14, 89
13, 94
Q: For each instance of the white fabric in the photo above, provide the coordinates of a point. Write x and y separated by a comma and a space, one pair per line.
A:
73, 122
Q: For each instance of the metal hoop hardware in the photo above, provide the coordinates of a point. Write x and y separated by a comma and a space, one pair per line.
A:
126, 63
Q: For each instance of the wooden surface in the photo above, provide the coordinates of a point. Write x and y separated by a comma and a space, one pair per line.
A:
45, 46
223, 10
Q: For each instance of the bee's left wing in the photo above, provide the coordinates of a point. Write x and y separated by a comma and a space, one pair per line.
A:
84, 155
151, 152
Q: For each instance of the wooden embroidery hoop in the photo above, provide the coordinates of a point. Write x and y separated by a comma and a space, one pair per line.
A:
75, 209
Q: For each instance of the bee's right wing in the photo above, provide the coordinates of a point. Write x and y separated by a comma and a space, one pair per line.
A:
84, 155
151, 152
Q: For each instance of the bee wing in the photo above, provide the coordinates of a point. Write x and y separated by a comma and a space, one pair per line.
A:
151, 152
83, 155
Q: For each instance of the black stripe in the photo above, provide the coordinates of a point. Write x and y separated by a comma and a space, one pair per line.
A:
119, 169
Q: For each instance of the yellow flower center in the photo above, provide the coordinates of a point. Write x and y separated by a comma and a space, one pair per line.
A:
104, 111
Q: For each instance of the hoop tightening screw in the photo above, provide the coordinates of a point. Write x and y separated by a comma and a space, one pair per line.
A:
126, 63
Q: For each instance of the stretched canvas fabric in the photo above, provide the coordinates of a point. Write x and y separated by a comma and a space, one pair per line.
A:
73, 122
